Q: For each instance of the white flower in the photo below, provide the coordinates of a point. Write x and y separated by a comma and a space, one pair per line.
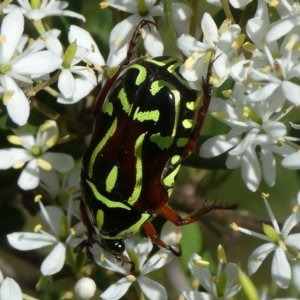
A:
234, 3
150, 288
9, 289
141, 10
252, 125
284, 245
20, 68
289, 21
85, 288
73, 89
225, 282
40, 9
61, 187
35, 153
292, 161
61, 237
215, 45
171, 235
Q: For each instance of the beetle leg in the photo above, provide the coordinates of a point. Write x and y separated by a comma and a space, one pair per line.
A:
168, 213
109, 83
155, 239
207, 94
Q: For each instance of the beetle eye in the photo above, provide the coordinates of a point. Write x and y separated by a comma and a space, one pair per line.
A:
114, 247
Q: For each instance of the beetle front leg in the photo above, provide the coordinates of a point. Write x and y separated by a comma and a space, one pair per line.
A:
168, 213
151, 232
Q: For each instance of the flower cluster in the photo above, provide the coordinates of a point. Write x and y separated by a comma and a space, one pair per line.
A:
265, 91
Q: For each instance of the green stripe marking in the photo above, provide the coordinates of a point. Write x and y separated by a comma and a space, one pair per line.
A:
99, 147
124, 100
132, 230
108, 107
142, 73
111, 179
187, 123
181, 142
100, 218
169, 181
139, 170
106, 201
166, 142
161, 63
191, 105
175, 159
151, 115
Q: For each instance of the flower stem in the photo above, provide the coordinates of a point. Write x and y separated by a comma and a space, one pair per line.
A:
5, 3
71, 261
59, 118
39, 26
289, 143
194, 21
47, 83
227, 11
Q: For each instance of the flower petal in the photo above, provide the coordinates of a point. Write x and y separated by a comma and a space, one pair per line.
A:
39, 63
11, 156
30, 177
291, 91
281, 269
12, 28
251, 172
216, 146
18, 105
83, 88
66, 83
158, 260
258, 255
210, 31
60, 162
55, 260
152, 289
193, 295
29, 240
268, 166
143, 249
116, 290
83, 38
292, 161
10, 290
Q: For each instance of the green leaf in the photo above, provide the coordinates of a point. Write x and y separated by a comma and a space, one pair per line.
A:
191, 242
43, 282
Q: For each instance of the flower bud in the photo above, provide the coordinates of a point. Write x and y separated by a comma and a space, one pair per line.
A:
85, 288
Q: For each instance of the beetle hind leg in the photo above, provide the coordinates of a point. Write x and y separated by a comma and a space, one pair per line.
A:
168, 213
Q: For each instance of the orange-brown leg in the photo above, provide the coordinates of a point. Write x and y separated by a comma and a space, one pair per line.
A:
207, 94
168, 213
155, 239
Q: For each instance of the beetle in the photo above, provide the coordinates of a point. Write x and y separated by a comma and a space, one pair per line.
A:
147, 120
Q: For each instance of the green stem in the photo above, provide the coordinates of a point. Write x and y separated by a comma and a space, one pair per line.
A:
289, 143
59, 118
5, 3
227, 11
47, 83
194, 20
70, 260
139, 292
39, 26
